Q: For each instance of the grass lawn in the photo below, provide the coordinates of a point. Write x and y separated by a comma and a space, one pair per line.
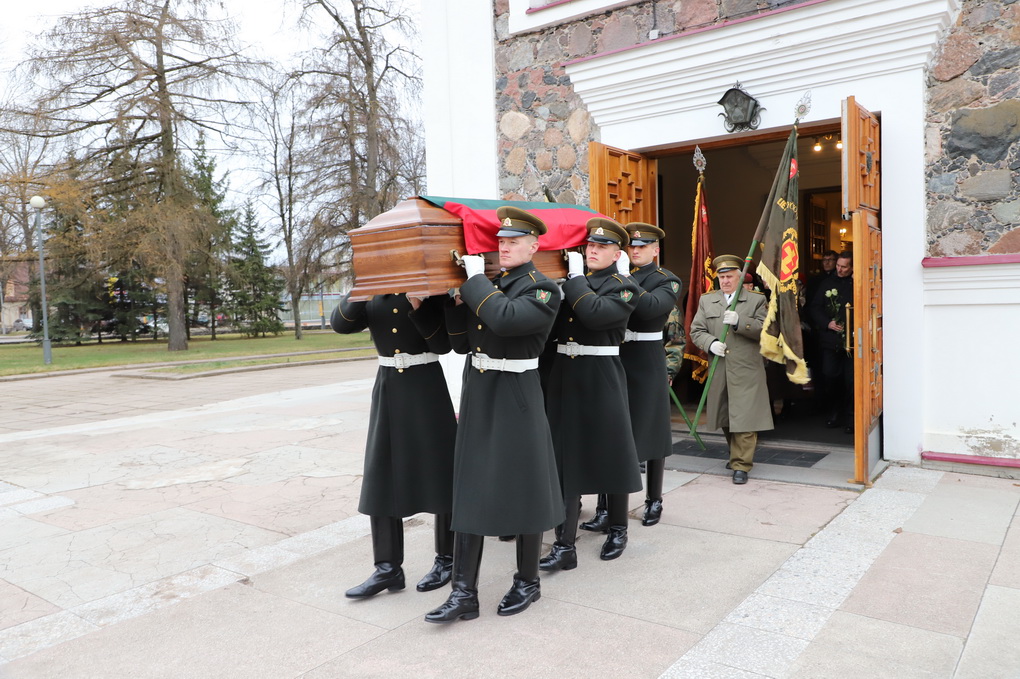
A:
19, 359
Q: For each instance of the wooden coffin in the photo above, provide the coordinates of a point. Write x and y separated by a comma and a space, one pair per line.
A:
409, 249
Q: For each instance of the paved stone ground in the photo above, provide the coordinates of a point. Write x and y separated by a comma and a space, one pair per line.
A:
208, 528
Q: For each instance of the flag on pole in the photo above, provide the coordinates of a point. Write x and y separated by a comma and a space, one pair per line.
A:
702, 279
781, 340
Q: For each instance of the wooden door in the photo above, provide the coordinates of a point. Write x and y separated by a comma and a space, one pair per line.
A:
622, 184
861, 202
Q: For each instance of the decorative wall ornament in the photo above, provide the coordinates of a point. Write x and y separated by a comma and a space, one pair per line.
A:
741, 111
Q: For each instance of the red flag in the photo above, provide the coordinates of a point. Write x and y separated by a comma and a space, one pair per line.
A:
781, 339
702, 280
566, 222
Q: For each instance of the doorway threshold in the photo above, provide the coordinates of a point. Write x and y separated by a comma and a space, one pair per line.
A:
785, 460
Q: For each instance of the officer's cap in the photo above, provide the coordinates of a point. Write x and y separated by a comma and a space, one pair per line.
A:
727, 263
603, 230
644, 234
514, 222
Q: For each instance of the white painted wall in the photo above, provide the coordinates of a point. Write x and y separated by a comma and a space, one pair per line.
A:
460, 113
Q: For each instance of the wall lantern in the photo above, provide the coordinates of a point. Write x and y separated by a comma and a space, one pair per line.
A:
741, 110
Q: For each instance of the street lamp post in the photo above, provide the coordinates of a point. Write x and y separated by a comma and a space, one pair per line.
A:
38, 203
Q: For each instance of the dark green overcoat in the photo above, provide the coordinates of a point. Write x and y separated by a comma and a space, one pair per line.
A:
738, 397
587, 395
645, 362
505, 480
411, 426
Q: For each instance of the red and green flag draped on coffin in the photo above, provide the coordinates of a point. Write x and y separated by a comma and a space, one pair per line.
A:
566, 222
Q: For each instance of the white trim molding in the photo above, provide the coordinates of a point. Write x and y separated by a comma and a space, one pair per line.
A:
776, 58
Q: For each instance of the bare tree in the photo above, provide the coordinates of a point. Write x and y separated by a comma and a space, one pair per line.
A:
136, 81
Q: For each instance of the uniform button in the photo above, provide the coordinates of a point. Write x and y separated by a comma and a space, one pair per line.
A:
479, 326
396, 351
570, 320
478, 349
394, 331
395, 311
570, 339
400, 370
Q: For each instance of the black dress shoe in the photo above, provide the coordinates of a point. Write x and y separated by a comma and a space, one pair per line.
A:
729, 465
520, 596
440, 574
507, 538
739, 477
561, 558
460, 606
653, 510
599, 523
386, 576
614, 545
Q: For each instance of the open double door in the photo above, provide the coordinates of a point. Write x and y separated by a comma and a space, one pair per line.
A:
624, 186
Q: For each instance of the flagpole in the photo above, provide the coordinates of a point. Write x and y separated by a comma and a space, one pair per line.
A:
802, 109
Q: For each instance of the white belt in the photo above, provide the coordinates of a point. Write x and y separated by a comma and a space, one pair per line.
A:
573, 349
401, 361
510, 365
631, 336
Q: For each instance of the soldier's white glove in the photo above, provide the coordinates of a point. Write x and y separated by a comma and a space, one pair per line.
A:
473, 264
718, 348
575, 264
623, 264
729, 317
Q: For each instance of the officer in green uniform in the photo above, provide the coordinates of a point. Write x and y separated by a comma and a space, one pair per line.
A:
587, 395
738, 398
504, 480
411, 431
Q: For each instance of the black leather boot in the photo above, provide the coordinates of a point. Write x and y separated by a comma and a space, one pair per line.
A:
526, 589
462, 603
600, 522
653, 494
388, 553
442, 569
617, 540
563, 556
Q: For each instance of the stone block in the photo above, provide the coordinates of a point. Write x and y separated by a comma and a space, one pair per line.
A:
959, 53
963, 243
553, 137
1007, 212
954, 94
577, 125
566, 157
619, 32
985, 132
513, 124
1009, 243
993, 61
696, 13
544, 161
579, 43
943, 183
991, 185
514, 163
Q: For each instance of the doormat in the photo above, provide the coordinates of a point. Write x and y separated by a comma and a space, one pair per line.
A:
764, 453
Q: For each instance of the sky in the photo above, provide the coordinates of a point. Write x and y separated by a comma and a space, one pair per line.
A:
272, 25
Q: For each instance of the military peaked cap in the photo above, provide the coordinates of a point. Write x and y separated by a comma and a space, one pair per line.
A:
727, 263
514, 222
604, 230
643, 234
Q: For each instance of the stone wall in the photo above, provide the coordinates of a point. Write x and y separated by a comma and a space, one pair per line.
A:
543, 127
973, 134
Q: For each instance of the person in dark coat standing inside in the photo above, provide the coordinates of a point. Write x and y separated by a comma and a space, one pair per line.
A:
504, 480
738, 398
411, 433
829, 314
587, 396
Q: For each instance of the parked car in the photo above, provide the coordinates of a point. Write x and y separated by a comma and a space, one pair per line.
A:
19, 325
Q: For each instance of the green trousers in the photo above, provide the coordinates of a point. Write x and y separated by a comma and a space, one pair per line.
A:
742, 444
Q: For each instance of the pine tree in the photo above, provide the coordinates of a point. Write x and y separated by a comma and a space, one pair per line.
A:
255, 305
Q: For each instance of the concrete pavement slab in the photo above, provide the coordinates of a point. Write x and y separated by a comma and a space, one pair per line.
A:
1007, 567
966, 508
858, 646
991, 651
926, 582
